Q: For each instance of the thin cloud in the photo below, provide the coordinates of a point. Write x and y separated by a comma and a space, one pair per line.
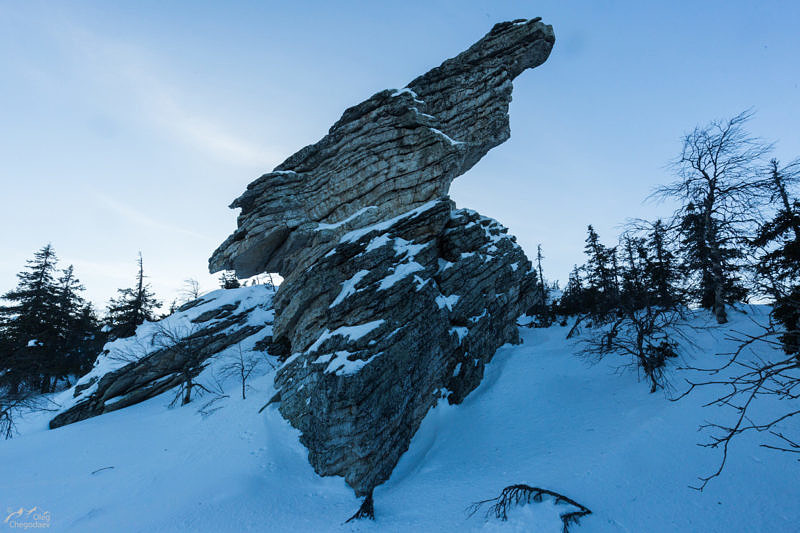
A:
137, 217
140, 85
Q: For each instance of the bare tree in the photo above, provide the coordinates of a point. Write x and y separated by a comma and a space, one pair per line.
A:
647, 336
217, 394
756, 369
717, 176
13, 404
241, 365
366, 511
191, 290
186, 342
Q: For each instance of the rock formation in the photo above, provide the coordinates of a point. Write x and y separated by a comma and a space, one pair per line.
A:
392, 298
170, 353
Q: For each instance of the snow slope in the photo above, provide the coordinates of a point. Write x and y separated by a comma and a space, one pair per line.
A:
541, 416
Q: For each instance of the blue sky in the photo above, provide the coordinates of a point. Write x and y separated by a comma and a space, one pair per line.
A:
131, 126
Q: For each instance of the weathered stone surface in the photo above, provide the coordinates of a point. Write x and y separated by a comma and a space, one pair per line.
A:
391, 153
398, 316
167, 355
392, 298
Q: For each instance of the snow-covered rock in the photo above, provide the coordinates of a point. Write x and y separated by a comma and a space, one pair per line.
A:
378, 332
388, 289
165, 354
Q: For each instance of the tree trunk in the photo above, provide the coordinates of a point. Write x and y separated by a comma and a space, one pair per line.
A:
187, 397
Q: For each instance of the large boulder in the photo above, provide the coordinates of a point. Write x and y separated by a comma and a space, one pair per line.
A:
400, 315
392, 298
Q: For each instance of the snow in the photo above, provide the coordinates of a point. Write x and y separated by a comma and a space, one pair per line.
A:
407, 91
447, 137
405, 248
356, 234
340, 364
541, 416
447, 301
377, 242
120, 352
475, 319
324, 226
460, 331
400, 271
420, 113
444, 264
349, 287
352, 333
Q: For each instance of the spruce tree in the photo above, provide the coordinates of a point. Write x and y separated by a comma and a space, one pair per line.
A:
661, 270
601, 276
86, 340
31, 325
633, 289
572, 301
81, 335
48, 331
132, 307
779, 262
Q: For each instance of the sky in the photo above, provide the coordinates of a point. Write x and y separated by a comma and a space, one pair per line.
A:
131, 126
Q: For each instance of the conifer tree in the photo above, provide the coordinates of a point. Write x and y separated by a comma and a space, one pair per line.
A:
633, 289
31, 325
601, 276
542, 310
228, 280
35, 326
132, 307
572, 301
661, 270
48, 331
779, 262
86, 340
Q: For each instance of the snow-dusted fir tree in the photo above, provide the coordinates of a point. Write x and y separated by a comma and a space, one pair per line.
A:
30, 325
132, 307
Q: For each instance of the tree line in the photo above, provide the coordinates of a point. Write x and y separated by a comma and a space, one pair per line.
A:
734, 238
50, 334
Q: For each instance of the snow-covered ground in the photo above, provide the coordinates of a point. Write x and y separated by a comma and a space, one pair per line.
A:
542, 416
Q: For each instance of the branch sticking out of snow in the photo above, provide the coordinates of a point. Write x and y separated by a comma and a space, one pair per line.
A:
517, 495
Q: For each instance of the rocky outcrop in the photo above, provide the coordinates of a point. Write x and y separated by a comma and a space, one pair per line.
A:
392, 298
393, 152
168, 354
399, 315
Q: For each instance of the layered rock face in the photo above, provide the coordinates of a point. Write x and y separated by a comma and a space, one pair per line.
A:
396, 317
170, 353
393, 152
392, 297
